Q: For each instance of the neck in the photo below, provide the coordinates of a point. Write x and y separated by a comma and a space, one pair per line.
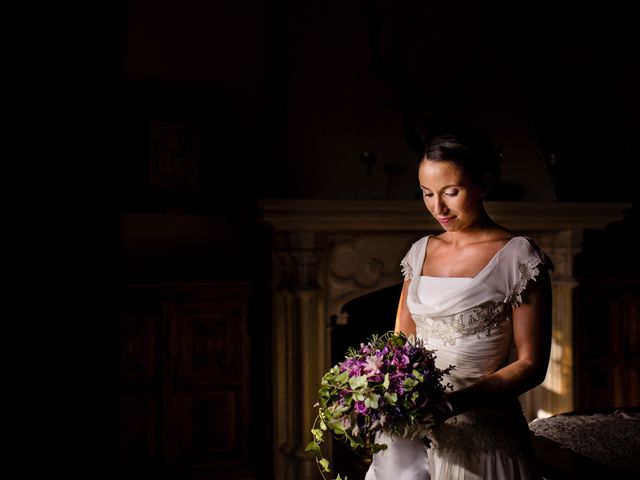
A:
479, 230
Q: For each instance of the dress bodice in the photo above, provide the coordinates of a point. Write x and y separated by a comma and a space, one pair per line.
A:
476, 343
467, 322
432, 288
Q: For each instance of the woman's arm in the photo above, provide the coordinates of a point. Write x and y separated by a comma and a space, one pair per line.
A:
404, 322
532, 337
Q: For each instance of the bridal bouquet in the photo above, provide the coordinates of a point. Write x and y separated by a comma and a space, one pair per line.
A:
384, 386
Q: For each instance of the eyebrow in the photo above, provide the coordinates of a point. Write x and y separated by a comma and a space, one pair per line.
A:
446, 186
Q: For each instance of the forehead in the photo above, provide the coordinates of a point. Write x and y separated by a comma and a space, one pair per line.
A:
441, 172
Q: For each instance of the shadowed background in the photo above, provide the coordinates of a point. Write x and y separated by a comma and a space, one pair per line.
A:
264, 99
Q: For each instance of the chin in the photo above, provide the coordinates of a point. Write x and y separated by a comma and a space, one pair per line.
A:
451, 228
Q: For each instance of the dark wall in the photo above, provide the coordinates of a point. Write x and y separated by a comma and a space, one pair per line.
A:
285, 98
288, 97
64, 76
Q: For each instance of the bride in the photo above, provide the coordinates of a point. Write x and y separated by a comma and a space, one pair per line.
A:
480, 296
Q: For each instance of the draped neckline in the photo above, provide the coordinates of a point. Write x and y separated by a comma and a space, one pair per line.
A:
489, 264
504, 275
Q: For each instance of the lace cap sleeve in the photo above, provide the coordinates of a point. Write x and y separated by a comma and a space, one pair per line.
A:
408, 262
405, 266
524, 264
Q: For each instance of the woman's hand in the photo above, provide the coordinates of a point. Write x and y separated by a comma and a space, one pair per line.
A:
439, 411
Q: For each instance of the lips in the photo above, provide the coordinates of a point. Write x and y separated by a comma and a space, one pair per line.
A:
445, 219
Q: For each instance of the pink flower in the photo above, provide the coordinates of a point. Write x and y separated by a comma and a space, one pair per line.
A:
373, 364
346, 422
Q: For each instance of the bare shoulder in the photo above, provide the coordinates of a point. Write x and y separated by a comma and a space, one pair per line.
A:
497, 238
448, 257
494, 238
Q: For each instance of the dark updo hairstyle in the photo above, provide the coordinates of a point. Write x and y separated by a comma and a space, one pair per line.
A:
470, 151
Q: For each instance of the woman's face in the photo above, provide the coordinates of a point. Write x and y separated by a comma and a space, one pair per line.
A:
450, 195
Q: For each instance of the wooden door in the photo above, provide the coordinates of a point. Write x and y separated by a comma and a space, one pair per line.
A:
607, 336
184, 381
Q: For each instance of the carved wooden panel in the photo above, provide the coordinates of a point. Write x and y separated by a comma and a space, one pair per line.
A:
137, 346
631, 347
211, 425
137, 432
183, 368
209, 338
607, 349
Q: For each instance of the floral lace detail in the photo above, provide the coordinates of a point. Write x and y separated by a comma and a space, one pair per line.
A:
527, 271
407, 271
473, 438
610, 439
474, 321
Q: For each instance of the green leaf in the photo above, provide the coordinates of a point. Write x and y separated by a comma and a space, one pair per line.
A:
314, 448
418, 375
335, 412
358, 382
378, 447
325, 464
372, 400
386, 382
409, 383
343, 377
337, 428
391, 398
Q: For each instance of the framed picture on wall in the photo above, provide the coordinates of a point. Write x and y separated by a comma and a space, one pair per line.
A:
173, 155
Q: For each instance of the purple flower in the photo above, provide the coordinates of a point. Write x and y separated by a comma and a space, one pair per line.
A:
360, 408
400, 360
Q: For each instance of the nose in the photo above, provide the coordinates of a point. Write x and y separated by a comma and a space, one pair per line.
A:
440, 208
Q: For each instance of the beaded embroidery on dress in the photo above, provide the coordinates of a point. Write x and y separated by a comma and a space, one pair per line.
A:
470, 327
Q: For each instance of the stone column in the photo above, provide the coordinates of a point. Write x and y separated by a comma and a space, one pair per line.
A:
300, 343
555, 394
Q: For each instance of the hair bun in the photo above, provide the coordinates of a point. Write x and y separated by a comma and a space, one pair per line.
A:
471, 150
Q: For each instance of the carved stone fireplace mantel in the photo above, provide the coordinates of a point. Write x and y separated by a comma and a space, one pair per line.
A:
326, 253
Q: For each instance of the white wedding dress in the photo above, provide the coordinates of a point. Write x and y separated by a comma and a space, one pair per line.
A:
467, 321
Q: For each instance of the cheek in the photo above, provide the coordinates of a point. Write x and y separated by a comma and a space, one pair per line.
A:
428, 203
